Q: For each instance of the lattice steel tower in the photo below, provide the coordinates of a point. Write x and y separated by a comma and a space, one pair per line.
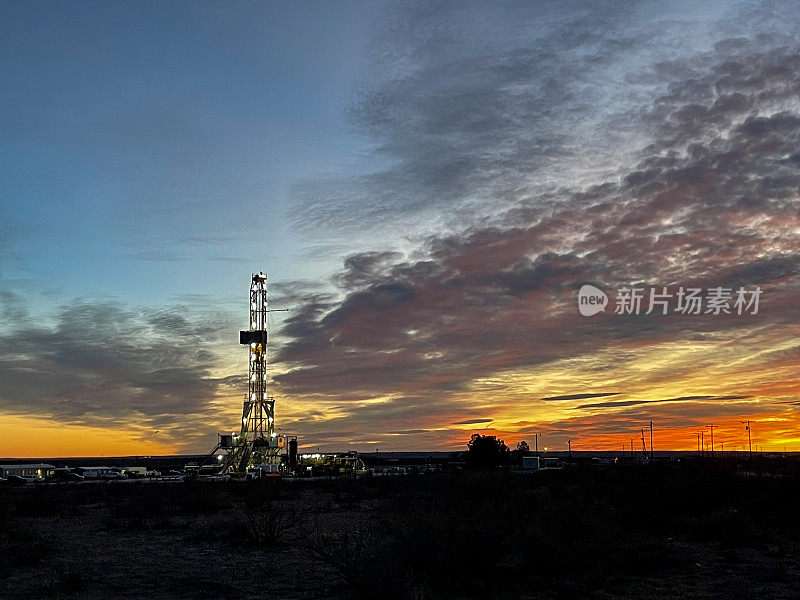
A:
258, 405
256, 443
258, 412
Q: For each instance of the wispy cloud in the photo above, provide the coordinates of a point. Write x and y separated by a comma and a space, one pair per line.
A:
705, 197
581, 396
108, 364
520, 150
678, 399
472, 421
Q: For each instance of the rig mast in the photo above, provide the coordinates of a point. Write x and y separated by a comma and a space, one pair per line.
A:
256, 443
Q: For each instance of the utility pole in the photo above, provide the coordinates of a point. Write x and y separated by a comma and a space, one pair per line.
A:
644, 447
711, 427
749, 442
651, 441
569, 444
702, 443
536, 438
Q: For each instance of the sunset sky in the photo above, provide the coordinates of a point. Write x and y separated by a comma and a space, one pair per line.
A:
428, 185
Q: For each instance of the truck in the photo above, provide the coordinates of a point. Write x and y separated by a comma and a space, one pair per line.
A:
135, 472
263, 470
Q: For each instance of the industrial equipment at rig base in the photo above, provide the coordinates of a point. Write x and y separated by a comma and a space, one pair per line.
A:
256, 450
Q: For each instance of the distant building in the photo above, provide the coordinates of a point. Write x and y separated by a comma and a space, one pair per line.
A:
531, 462
33, 471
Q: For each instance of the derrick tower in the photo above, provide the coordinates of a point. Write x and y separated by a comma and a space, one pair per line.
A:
258, 410
256, 443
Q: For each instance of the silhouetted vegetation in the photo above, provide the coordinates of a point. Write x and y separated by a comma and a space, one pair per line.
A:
610, 531
565, 533
486, 451
517, 454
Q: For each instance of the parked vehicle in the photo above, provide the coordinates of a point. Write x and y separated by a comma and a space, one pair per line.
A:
20, 479
66, 474
100, 473
135, 472
263, 470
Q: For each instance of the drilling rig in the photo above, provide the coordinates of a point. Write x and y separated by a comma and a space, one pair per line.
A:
256, 445
256, 450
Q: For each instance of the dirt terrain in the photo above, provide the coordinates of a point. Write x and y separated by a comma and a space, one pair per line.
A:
610, 533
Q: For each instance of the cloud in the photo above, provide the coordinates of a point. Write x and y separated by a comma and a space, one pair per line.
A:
474, 107
678, 399
522, 150
581, 396
409, 432
707, 197
105, 363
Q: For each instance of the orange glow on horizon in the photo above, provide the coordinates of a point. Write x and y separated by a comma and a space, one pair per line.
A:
36, 437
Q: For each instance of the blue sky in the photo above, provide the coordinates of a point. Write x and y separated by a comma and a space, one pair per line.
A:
148, 149
427, 184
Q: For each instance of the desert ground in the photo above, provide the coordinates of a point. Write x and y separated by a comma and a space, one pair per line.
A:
608, 532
